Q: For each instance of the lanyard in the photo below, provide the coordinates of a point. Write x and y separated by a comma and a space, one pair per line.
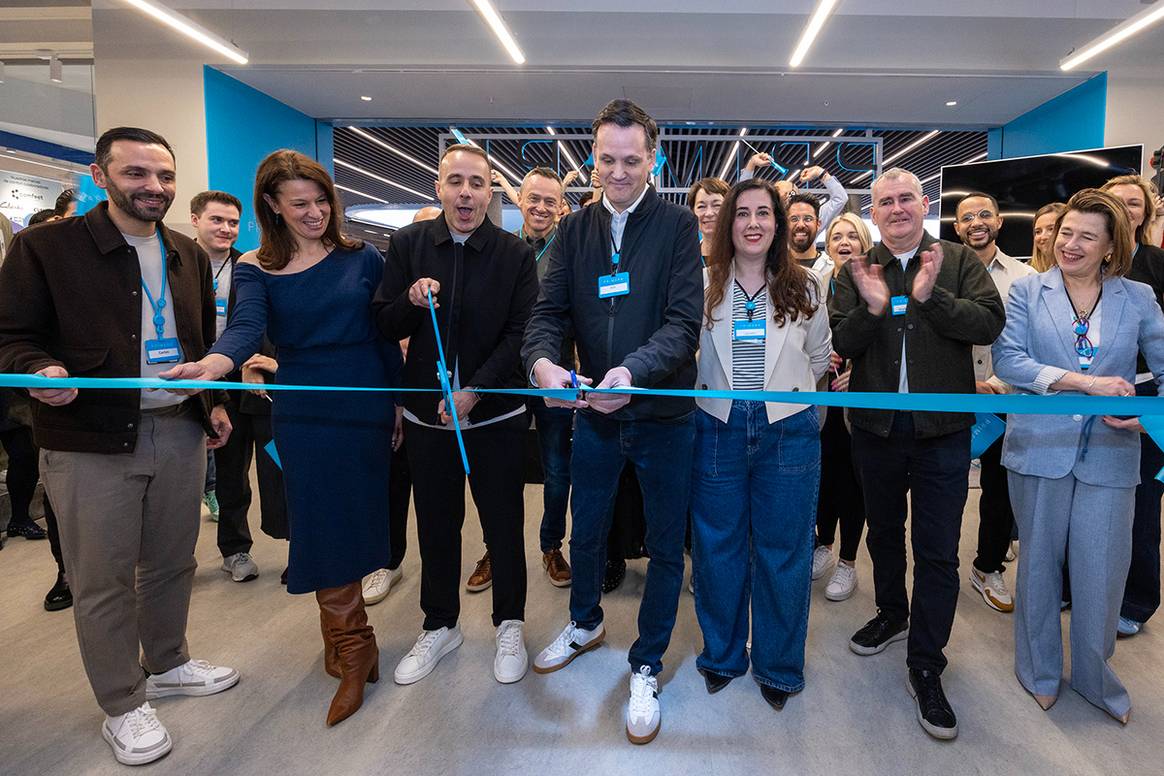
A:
546, 247
749, 300
218, 274
159, 305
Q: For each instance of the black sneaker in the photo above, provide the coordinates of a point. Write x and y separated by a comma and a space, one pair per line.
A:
615, 574
877, 634
933, 710
27, 530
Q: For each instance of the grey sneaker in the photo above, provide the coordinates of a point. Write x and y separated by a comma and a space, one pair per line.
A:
241, 567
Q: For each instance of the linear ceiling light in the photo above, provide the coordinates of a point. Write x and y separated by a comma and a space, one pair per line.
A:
731, 157
1114, 36
492, 159
570, 158
382, 179
373, 139
885, 163
358, 193
823, 146
811, 30
191, 30
497, 24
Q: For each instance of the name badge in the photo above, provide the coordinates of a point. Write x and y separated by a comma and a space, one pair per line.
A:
898, 304
1085, 362
220, 308
163, 351
749, 330
617, 284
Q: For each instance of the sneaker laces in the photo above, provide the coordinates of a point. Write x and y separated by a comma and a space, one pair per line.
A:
643, 690
241, 558
200, 667
425, 642
378, 577
843, 574
994, 581
561, 644
143, 720
509, 639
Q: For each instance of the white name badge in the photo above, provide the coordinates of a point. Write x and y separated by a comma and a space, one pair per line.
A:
617, 284
750, 330
163, 351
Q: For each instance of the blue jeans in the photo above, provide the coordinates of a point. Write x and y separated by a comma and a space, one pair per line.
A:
753, 504
555, 426
661, 452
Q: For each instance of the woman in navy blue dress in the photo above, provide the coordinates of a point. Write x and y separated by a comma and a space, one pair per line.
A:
310, 289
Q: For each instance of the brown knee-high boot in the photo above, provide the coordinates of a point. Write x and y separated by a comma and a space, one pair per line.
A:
341, 610
330, 655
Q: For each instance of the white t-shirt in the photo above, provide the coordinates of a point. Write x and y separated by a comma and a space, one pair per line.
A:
149, 257
903, 379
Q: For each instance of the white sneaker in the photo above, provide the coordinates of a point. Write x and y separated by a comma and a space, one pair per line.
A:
643, 716
194, 677
1126, 627
822, 561
379, 583
428, 650
511, 661
843, 583
571, 643
137, 737
241, 567
993, 590
1011, 551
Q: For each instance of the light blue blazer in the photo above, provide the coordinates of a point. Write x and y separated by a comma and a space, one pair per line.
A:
1038, 334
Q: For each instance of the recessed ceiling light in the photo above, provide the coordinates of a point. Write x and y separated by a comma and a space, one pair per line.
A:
365, 98
951, 103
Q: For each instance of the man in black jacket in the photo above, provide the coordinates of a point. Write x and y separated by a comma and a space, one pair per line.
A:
625, 277
908, 316
483, 284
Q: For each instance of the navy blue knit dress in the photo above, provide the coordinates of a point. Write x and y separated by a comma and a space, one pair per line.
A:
334, 447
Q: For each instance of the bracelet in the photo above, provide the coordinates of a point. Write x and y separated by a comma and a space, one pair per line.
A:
1089, 385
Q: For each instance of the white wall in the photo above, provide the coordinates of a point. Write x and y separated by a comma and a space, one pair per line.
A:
1135, 109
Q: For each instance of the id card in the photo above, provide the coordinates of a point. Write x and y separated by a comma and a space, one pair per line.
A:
749, 330
163, 351
617, 284
220, 308
898, 304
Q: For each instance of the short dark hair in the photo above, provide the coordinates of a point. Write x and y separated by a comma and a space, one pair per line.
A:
469, 149
710, 185
807, 199
199, 202
585, 197
544, 172
979, 195
104, 152
625, 113
62, 203
40, 216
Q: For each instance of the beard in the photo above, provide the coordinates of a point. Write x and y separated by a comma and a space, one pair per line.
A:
803, 242
976, 241
130, 204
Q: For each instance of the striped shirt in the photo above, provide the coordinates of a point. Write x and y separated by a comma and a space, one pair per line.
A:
748, 354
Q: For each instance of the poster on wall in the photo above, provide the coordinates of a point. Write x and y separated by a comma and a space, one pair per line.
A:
21, 195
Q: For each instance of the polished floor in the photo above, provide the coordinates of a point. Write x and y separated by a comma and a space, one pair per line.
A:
854, 716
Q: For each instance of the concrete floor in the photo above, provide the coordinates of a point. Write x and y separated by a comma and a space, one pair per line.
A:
854, 716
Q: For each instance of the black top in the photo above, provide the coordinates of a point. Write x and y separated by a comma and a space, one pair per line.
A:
964, 310
488, 286
654, 330
1148, 267
70, 295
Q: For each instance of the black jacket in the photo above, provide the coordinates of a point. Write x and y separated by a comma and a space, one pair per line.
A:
488, 287
1148, 267
654, 330
964, 309
70, 295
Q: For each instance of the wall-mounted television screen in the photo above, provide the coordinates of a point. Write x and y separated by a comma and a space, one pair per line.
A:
1025, 184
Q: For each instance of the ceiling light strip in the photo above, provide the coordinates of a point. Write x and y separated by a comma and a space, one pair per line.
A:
497, 24
382, 179
191, 30
811, 30
373, 139
363, 194
1114, 36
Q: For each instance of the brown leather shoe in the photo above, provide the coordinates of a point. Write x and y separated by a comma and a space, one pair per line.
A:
557, 569
341, 610
482, 576
330, 655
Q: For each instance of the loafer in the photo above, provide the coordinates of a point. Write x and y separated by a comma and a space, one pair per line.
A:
60, 596
27, 530
713, 681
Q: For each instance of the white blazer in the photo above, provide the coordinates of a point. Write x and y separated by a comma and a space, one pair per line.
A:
796, 355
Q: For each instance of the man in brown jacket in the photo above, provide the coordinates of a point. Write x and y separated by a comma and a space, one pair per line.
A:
116, 294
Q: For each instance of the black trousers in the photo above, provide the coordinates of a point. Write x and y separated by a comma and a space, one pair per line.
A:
233, 460
995, 516
840, 499
496, 464
399, 492
23, 474
935, 472
1142, 593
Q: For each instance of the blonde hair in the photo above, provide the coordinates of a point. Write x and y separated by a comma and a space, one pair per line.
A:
1149, 199
853, 220
1043, 260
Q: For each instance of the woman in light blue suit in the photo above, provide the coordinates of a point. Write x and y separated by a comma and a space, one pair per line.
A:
1076, 328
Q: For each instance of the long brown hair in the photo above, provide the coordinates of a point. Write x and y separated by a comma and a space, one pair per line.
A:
1119, 227
277, 244
1045, 259
791, 289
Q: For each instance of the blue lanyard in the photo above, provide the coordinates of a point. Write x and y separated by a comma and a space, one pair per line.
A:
546, 247
159, 305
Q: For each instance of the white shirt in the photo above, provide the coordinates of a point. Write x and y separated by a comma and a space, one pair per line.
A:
1004, 271
221, 274
903, 379
618, 220
149, 257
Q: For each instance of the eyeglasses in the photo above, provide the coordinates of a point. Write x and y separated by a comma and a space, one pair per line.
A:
1083, 346
984, 215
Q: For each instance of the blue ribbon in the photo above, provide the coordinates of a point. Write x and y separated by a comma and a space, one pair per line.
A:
446, 389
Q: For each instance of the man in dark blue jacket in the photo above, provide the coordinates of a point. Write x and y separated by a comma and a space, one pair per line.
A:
625, 278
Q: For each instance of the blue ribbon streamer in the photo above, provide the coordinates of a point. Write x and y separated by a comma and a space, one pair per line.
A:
446, 389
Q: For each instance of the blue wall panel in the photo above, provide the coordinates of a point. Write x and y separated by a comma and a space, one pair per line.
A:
243, 125
1072, 121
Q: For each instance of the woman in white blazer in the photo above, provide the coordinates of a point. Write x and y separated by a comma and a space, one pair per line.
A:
1078, 328
757, 464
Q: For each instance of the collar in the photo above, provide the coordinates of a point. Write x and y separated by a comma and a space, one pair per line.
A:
883, 255
536, 242
108, 237
629, 210
1001, 259
440, 232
